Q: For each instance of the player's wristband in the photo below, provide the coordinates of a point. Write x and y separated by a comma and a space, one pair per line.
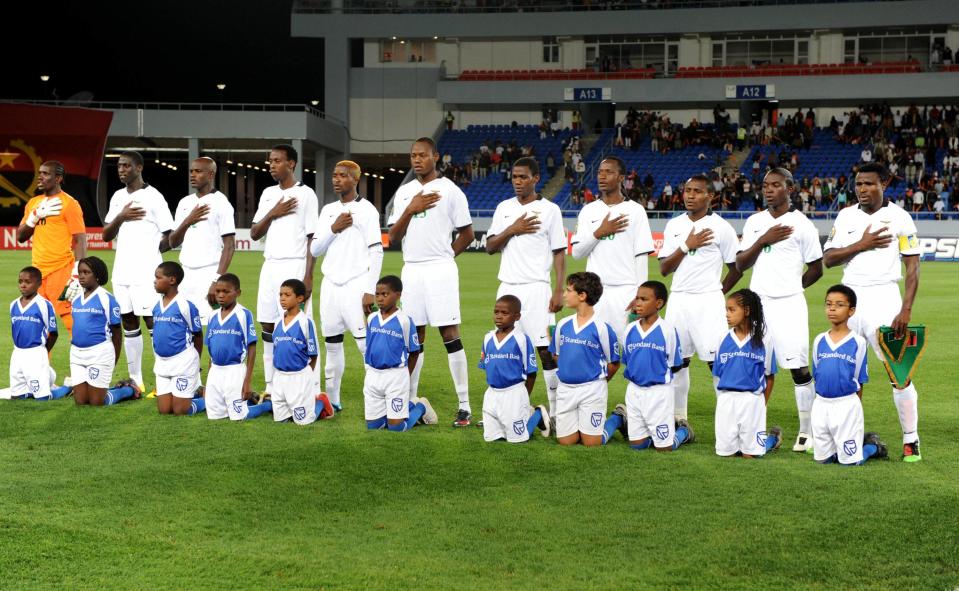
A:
684, 248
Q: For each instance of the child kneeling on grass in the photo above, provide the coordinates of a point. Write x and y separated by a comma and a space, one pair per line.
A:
391, 351
177, 342
509, 360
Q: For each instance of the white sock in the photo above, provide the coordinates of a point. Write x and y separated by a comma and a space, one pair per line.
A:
335, 364
681, 393
552, 383
804, 397
459, 369
415, 376
907, 403
133, 346
268, 364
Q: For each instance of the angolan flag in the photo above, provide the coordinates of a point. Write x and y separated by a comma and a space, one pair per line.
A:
32, 134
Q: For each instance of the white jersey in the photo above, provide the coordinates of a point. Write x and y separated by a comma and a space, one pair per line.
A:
613, 258
138, 241
288, 236
203, 241
881, 265
701, 270
778, 270
528, 258
429, 235
347, 254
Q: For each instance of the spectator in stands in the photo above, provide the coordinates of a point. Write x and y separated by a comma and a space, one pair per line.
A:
449, 119
580, 171
918, 199
577, 119
550, 163
588, 196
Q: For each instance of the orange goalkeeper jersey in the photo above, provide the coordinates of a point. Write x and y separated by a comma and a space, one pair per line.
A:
53, 237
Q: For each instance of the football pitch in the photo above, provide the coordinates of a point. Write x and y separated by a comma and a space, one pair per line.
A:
121, 498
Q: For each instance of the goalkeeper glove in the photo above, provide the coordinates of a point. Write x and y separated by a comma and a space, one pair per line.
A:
47, 208
73, 288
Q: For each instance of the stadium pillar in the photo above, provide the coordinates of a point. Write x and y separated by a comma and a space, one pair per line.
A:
336, 70
319, 184
193, 152
298, 146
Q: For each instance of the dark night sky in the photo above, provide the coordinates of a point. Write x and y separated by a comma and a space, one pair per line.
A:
171, 51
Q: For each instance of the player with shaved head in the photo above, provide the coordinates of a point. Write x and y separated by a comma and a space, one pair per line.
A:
349, 240
205, 230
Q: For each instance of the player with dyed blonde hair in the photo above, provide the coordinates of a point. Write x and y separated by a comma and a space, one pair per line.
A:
349, 240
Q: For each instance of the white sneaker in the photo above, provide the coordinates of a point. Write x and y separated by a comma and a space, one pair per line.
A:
803, 443
545, 421
429, 417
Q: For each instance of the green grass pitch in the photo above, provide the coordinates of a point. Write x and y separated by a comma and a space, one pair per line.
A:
121, 498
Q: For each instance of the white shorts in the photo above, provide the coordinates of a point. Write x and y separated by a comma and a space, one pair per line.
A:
787, 320
581, 407
700, 319
837, 428
431, 293
740, 423
386, 392
536, 317
272, 274
138, 299
293, 395
178, 375
650, 413
93, 365
224, 392
505, 414
30, 372
196, 287
877, 305
341, 307
611, 307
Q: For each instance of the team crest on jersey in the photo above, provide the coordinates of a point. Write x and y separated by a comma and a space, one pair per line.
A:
519, 427
181, 384
596, 419
421, 214
767, 248
849, 447
832, 233
609, 237
93, 372
692, 252
116, 310
761, 438
662, 431
415, 338
237, 406
34, 386
299, 413
397, 404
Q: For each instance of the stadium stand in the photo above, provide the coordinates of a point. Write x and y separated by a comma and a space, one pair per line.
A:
735, 71
578, 74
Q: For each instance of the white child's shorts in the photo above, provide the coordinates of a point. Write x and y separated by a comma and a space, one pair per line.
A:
30, 372
536, 317
293, 395
650, 413
787, 320
877, 305
386, 392
224, 392
505, 413
581, 407
611, 307
139, 299
196, 287
341, 307
740, 423
178, 375
431, 293
93, 365
700, 319
837, 428
272, 274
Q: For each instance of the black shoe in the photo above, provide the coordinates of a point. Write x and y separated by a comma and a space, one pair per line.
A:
623, 429
685, 423
882, 452
463, 418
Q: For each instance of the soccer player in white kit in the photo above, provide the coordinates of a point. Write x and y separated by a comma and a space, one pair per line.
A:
869, 240
205, 232
778, 243
348, 234
696, 244
614, 234
139, 220
286, 216
529, 231
426, 210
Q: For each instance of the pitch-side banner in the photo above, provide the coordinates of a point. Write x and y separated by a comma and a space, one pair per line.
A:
32, 134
